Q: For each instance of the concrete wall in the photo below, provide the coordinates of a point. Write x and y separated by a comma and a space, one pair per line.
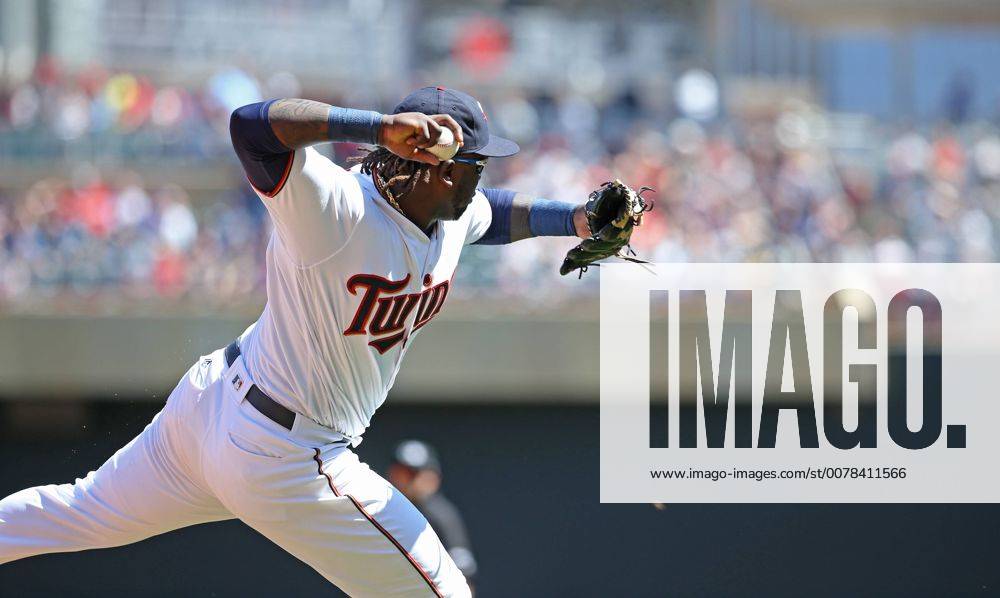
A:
453, 359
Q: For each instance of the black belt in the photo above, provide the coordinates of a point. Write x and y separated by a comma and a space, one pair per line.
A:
256, 397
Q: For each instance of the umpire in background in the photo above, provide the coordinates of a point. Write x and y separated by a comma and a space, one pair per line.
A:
416, 471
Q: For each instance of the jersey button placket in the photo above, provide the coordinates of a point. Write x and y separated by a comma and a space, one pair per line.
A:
425, 279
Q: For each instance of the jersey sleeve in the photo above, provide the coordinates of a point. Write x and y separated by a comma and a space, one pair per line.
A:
315, 207
480, 217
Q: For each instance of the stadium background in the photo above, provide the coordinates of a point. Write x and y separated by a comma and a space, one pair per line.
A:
792, 130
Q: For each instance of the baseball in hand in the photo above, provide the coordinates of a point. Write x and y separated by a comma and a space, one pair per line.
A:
446, 147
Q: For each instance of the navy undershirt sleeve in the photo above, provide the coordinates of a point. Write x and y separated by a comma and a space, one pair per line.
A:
264, 158
501, 202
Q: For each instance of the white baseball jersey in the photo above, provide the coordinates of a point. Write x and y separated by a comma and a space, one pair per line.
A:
350, 281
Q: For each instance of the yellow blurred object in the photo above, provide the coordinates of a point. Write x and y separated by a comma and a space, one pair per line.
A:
121, 92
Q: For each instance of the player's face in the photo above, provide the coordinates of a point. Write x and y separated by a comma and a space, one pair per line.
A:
465, 180
401, 477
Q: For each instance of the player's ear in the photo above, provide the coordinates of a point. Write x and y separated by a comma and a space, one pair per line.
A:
446, 172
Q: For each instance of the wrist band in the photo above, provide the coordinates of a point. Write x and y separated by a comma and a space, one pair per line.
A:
550, 218
358, 126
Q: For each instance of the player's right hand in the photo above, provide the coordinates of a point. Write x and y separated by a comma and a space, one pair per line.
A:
409, 134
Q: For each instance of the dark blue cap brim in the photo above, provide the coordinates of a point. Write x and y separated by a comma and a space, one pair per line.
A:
497, 147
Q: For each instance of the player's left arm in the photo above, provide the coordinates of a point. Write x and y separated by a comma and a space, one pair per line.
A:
516, 216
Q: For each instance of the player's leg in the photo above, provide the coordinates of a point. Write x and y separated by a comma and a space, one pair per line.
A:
331, 511
362, 534
145, 489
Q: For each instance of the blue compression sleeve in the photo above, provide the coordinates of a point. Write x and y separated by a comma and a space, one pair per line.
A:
501, 203
516, 217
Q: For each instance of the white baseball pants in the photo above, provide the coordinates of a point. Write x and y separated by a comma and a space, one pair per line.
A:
209, 456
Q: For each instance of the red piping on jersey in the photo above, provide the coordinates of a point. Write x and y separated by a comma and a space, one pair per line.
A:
284, 177
361, 509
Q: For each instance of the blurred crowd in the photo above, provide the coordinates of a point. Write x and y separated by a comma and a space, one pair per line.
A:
795, 184
102, 115
103, 242
793, 188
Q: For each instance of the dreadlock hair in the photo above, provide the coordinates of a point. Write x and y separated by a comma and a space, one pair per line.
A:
394, 177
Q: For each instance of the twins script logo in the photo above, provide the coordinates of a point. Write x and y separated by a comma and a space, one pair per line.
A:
384, 311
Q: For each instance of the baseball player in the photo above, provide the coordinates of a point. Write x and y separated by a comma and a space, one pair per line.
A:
262, 430
416, 472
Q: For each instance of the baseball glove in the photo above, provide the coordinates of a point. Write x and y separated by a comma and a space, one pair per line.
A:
613, 211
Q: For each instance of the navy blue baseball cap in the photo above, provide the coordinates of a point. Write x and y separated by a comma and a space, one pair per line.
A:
467, 112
